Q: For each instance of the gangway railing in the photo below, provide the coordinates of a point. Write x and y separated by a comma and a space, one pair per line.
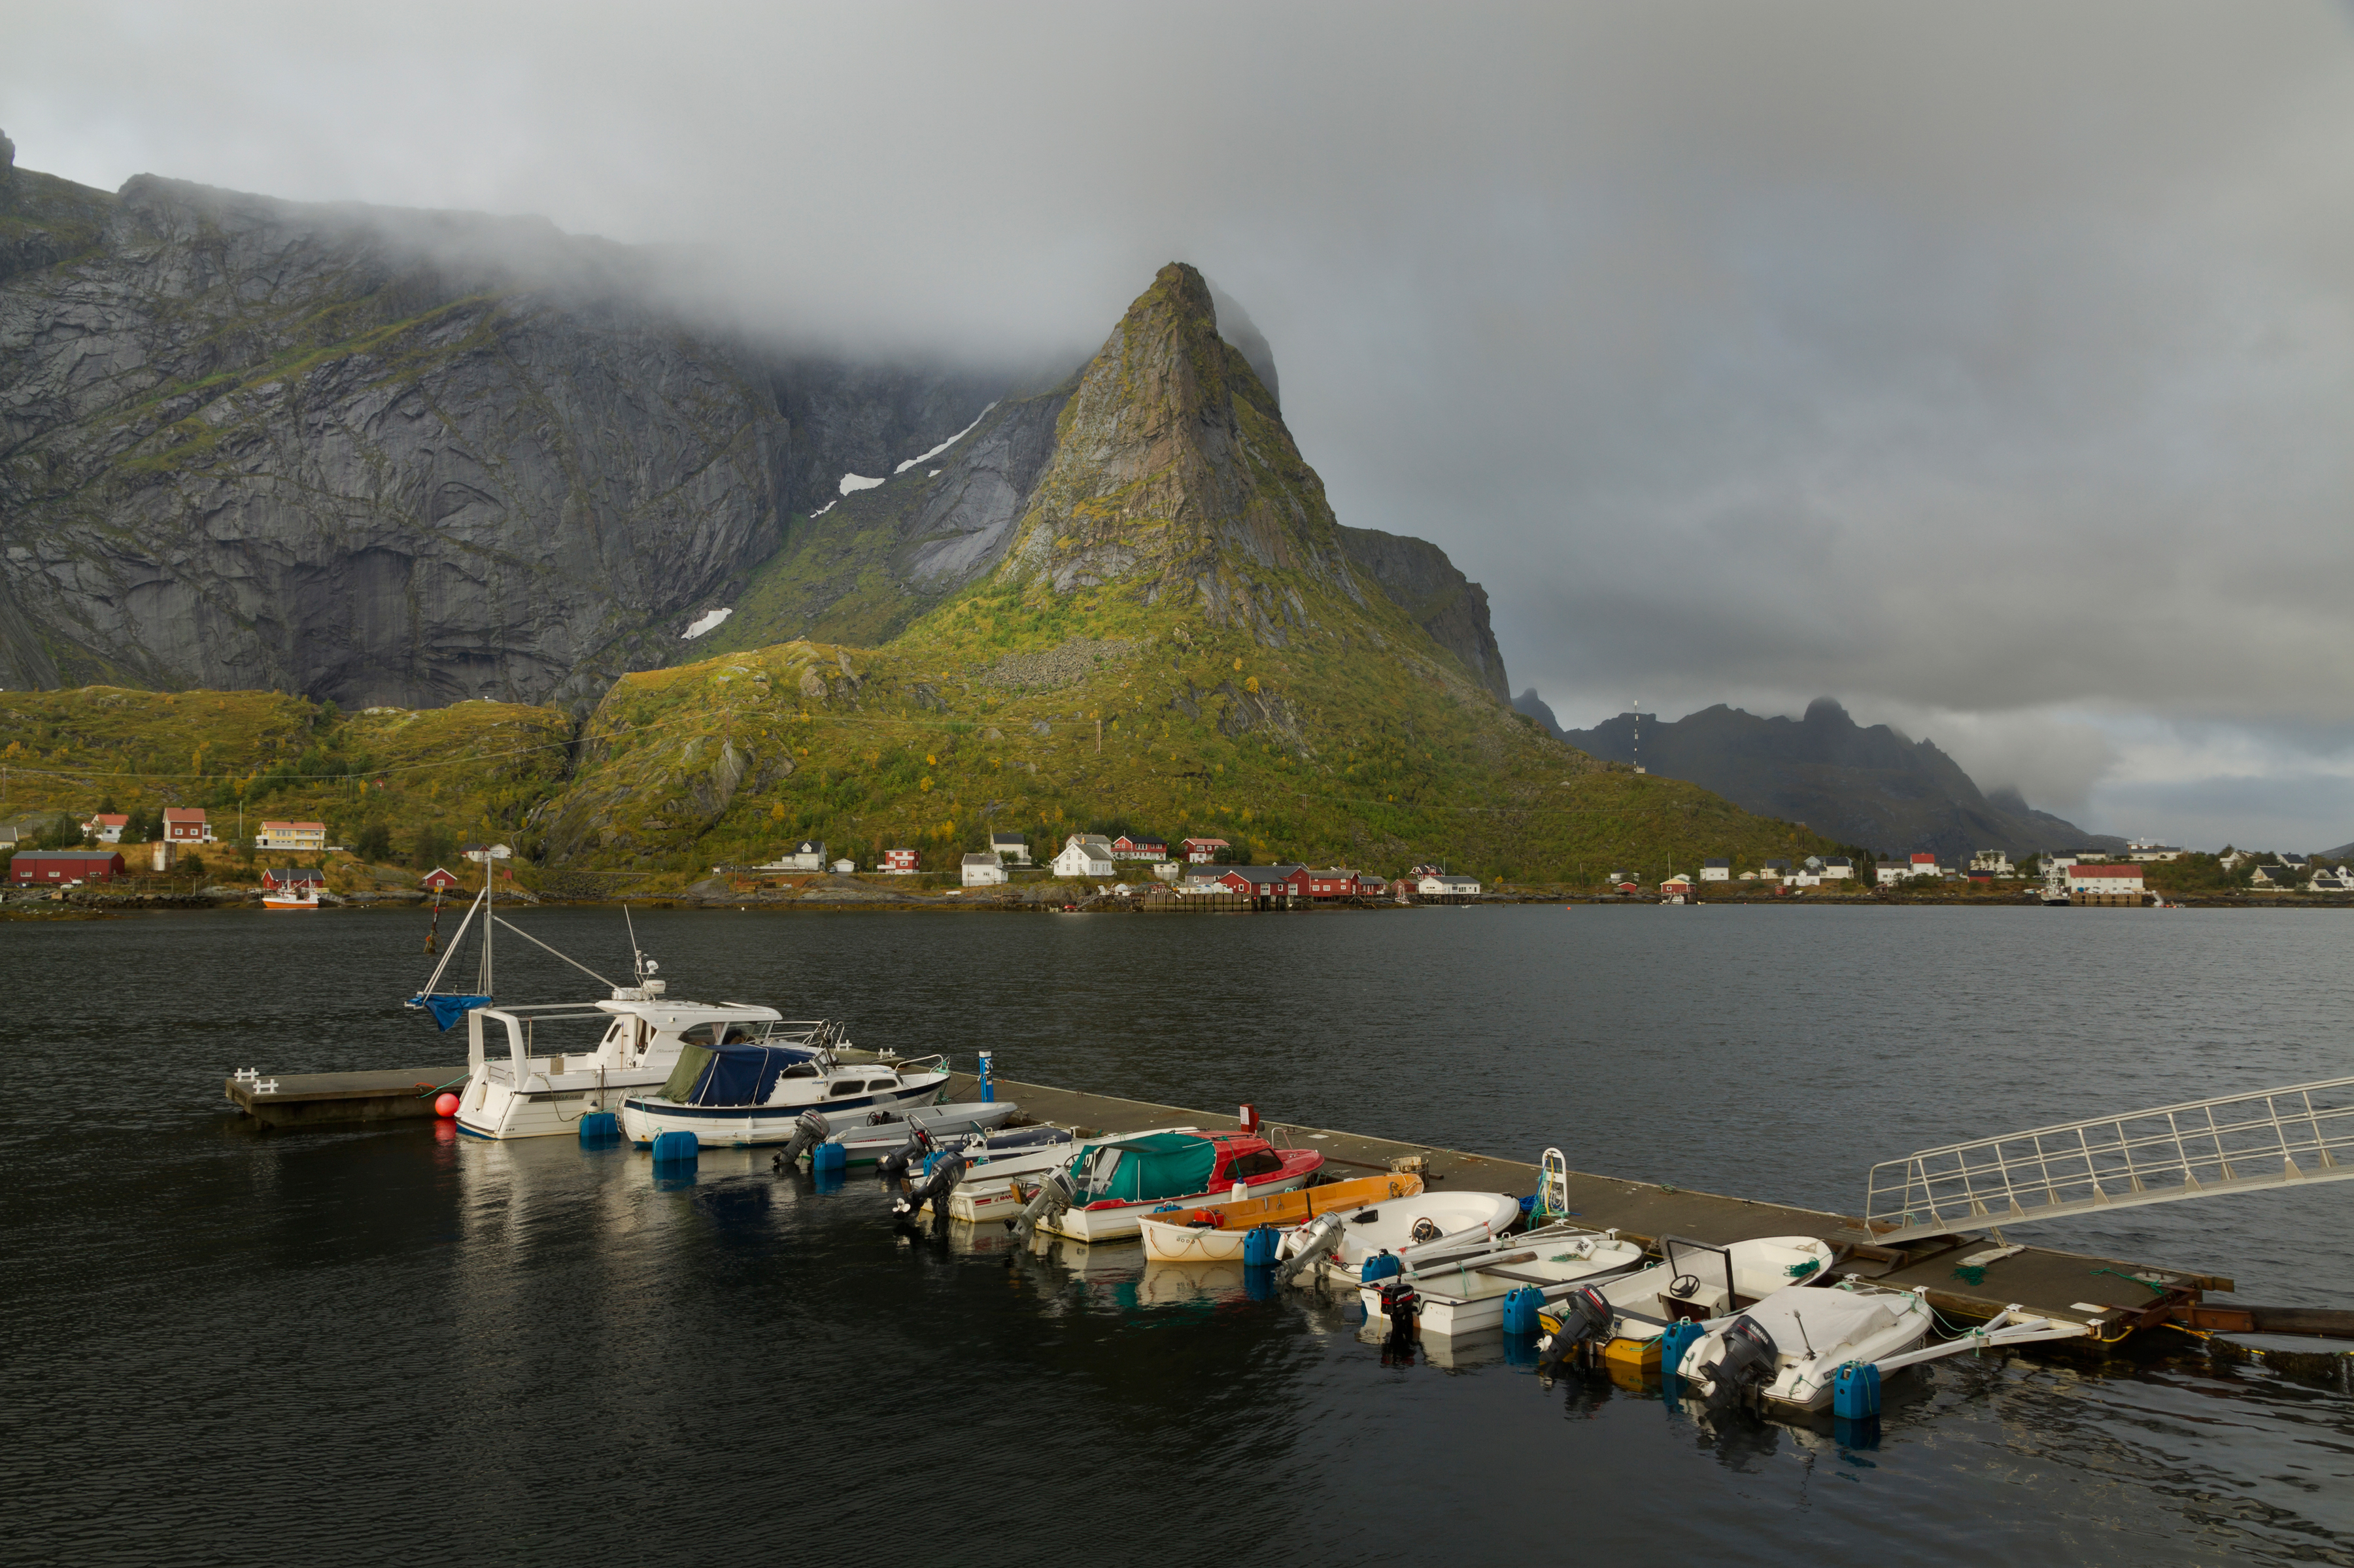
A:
2270, 1139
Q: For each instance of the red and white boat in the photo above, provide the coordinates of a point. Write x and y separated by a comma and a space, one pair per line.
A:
1120, 1181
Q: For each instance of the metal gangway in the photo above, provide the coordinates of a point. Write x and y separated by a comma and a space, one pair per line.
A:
2258, 1141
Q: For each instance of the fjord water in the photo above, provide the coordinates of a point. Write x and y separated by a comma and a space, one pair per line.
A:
370, 1345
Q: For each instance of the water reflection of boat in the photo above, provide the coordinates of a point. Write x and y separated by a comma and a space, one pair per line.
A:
1174, 1284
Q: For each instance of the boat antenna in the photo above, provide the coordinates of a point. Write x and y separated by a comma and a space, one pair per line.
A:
637, 959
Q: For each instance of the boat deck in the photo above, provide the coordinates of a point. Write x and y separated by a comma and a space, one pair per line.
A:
323, 1099
2046, 1282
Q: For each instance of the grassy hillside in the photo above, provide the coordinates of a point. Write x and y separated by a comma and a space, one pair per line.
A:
728, 761
424, 777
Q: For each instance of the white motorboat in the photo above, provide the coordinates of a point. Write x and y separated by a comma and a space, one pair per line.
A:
1462, 1290
564, 1061
737, 1094
991, 1188
1697, 1281
1402, 1225
1788, 1346
964, 1126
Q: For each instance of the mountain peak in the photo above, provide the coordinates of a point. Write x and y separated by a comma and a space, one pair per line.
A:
1165, 446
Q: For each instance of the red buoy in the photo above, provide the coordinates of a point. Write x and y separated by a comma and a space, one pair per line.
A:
446, 1105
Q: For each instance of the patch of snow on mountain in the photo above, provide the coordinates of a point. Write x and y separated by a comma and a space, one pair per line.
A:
850, 482
821, 510
927, 457
706, 621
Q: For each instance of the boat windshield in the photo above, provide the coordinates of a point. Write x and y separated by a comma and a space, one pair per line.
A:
1160, 1165
731, 1075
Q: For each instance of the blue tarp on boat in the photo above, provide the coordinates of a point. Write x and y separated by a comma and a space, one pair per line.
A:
731, 1075
449, 1010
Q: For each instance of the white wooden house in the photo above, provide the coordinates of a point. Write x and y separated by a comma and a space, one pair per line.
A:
1716, 871
1085, 854
983, 871
1010, 848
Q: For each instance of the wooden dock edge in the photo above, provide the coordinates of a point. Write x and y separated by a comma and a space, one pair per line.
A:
2043, 1281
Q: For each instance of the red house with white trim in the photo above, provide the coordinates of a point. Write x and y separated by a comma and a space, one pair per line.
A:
1263, 880
1202, 852
1332, 882
438, 880
1126, 848
900, 860
185, 825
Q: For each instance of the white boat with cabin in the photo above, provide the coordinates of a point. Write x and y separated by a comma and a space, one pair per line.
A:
562, 1061
753, 1093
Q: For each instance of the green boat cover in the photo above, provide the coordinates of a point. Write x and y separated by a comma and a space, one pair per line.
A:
1158, 1165
679, 1088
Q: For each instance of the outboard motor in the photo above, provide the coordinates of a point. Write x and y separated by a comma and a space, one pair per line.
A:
1745, 1361
809, 1131
933, 1189
1306, 1246
1399, 1300
893, 1167
1585, 1318
1052, 1196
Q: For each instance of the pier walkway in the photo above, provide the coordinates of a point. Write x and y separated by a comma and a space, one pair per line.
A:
2107, 1293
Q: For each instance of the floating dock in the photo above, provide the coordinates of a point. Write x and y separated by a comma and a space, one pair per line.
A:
278, 1100
2115, 1298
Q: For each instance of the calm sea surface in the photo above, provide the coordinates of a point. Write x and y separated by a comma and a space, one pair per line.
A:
370, 1345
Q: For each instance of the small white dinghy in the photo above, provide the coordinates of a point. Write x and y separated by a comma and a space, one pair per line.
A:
1404, 1225
1788, 1347
868, 1139
991, 1188
1461, 1290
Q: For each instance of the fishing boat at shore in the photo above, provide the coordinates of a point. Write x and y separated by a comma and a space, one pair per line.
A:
1112, 1186
1220, 1231
294, 895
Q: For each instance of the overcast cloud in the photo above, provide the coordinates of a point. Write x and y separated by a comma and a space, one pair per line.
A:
1987, 366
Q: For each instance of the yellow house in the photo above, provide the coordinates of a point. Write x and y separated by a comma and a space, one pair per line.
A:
291, 836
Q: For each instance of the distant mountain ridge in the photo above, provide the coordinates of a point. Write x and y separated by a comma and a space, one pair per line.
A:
1872, 787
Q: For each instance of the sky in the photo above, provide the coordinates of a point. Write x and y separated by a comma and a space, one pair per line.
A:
1987, 367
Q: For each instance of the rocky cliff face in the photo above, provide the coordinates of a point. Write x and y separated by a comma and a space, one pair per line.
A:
410, 458
1161, 468
377, 456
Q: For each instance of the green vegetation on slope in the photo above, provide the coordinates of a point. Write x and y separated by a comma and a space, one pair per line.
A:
461, 773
